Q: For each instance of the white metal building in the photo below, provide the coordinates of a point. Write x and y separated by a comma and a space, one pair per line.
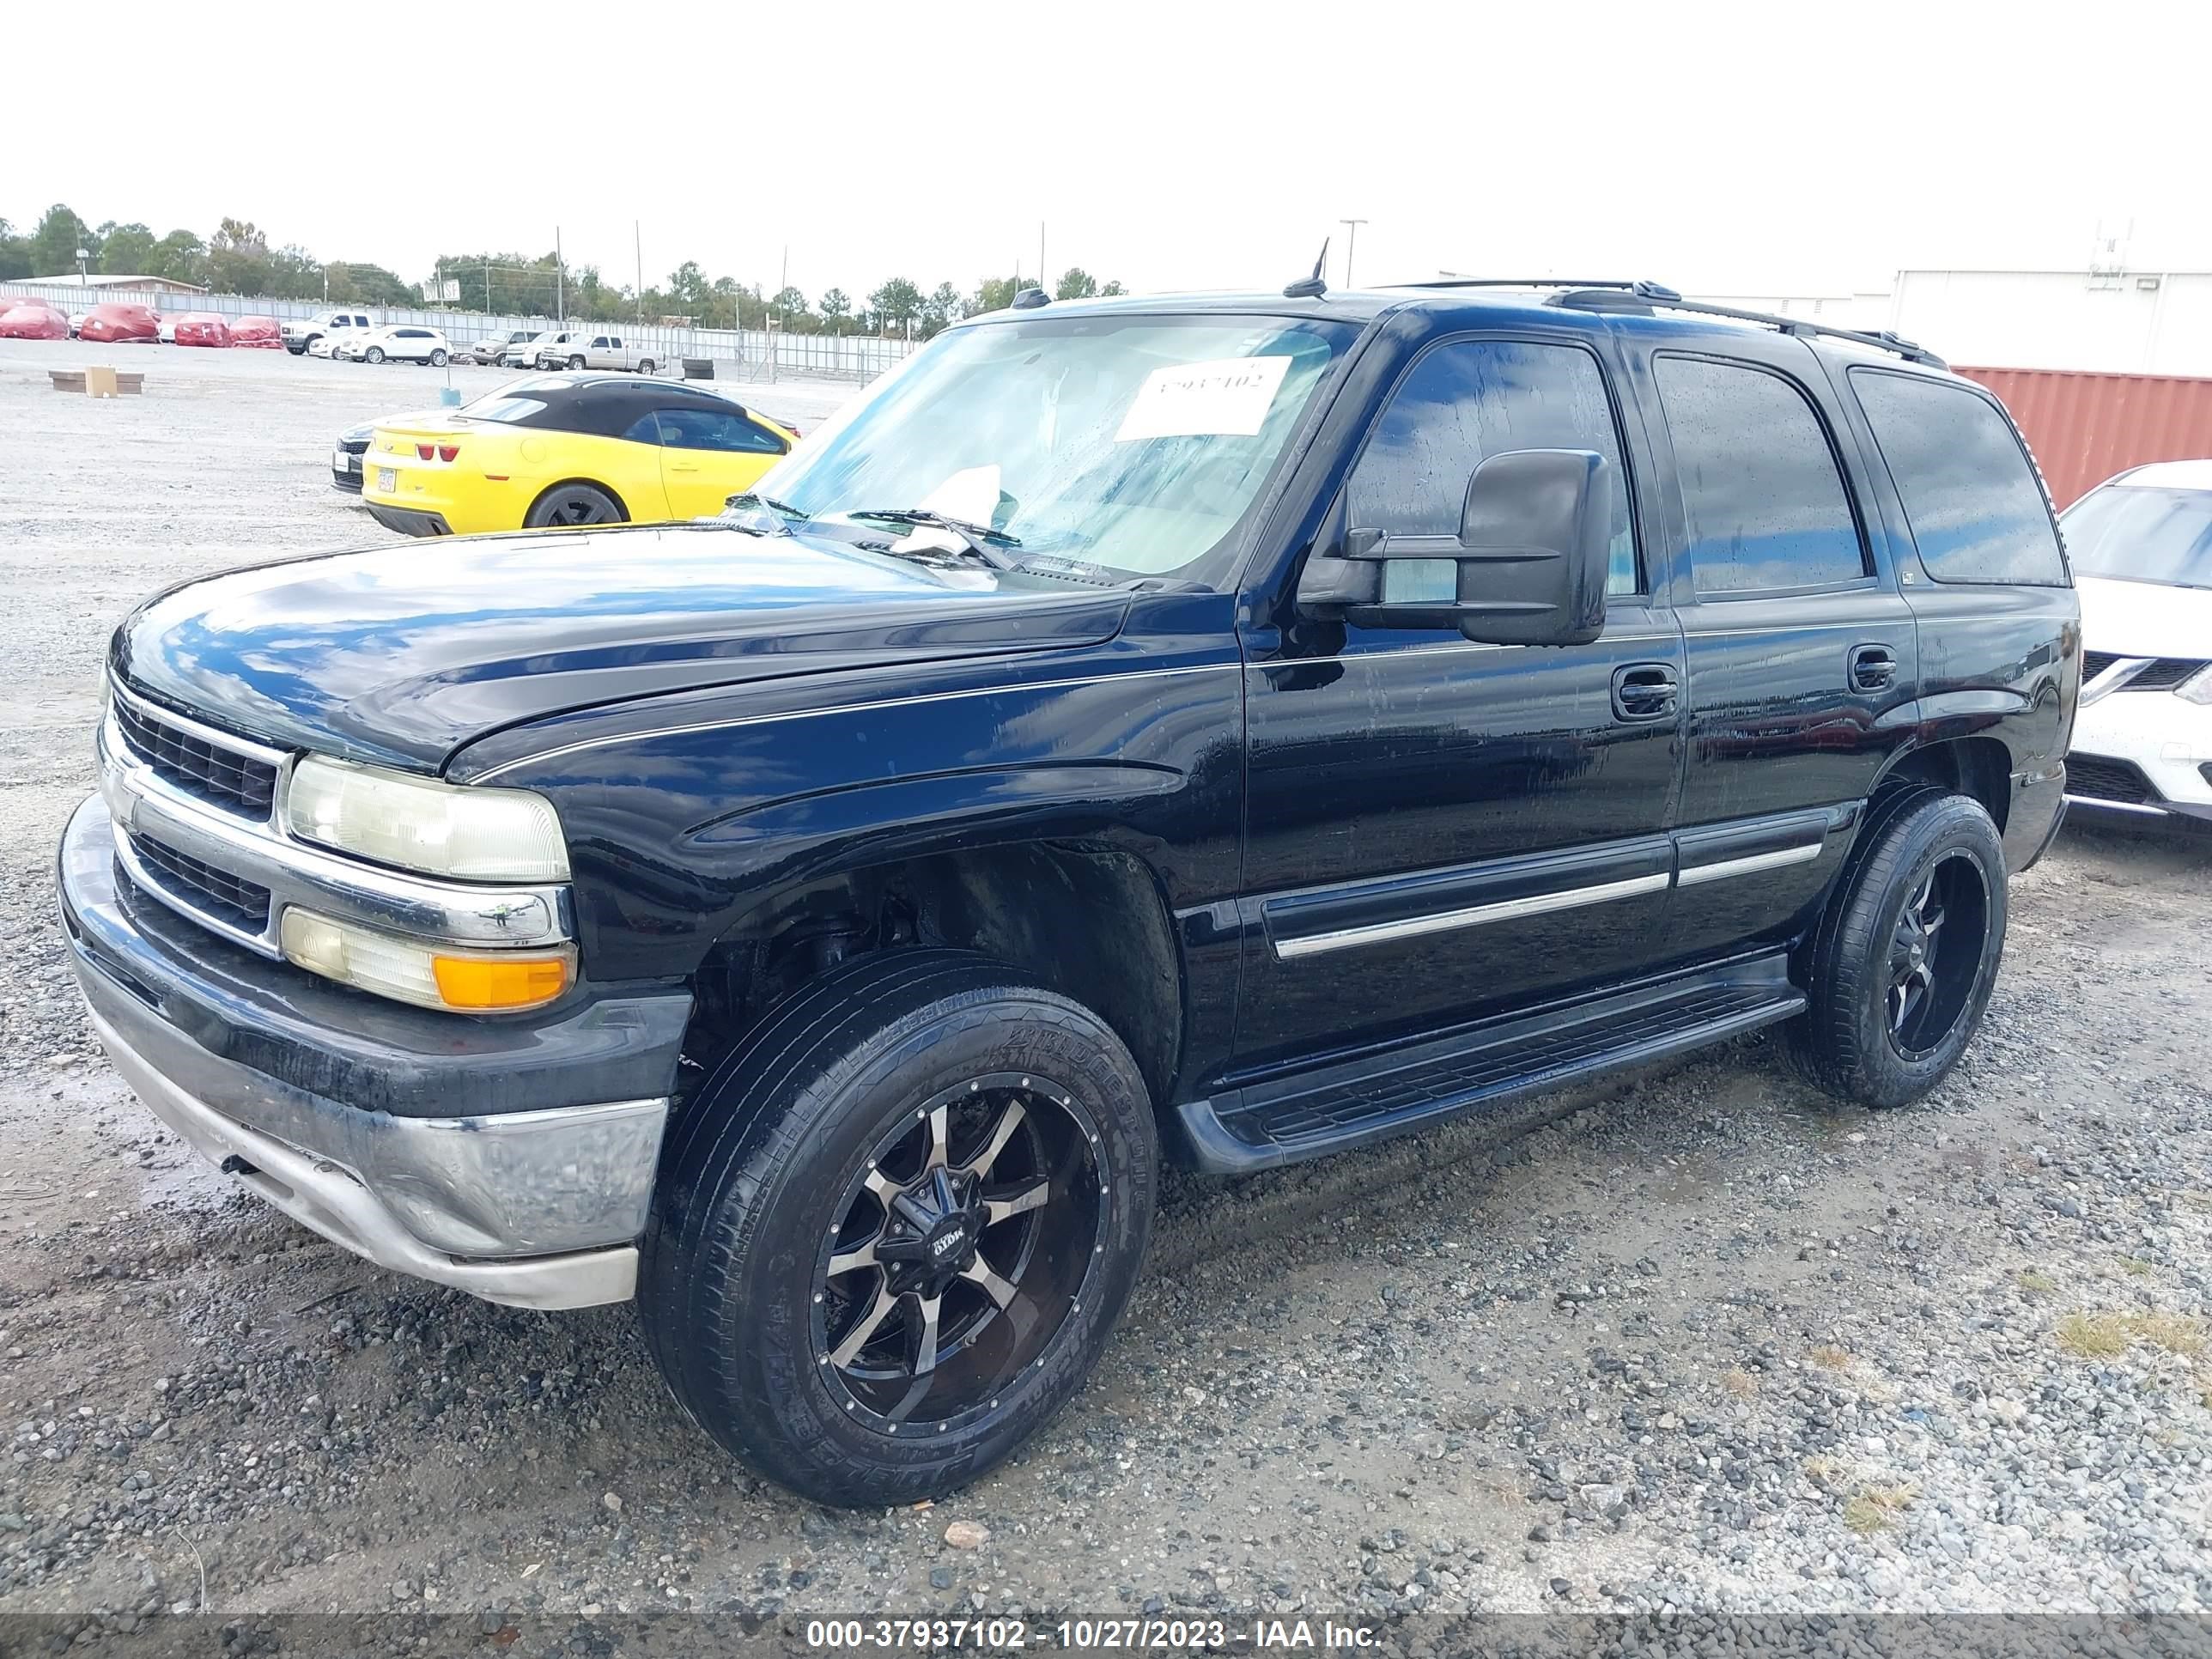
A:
2121, 321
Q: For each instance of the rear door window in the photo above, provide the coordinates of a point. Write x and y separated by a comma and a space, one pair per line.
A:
1976, 511
1763, 498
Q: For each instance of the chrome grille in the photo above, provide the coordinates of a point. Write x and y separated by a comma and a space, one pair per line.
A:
204, 769
203, 887
2095, 663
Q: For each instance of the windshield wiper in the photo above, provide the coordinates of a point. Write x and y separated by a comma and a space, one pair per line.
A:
985, 542
753, 498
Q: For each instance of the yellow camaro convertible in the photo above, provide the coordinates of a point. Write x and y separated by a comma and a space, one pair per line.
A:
567, 449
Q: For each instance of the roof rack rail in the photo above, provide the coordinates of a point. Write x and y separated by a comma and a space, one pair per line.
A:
1648, 296
1525, 281
1642, 297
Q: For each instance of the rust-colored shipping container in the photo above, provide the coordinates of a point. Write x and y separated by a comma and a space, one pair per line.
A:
2085, 427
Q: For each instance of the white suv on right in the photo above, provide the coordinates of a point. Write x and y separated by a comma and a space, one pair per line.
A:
2142, 550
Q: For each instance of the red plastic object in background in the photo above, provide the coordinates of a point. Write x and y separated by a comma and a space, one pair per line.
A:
201, 328
106, 324
256, 332
31, 320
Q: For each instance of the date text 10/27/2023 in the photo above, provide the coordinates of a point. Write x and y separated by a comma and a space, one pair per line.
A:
1135, 1635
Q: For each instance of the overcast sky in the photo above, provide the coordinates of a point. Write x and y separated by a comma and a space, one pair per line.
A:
1765, 148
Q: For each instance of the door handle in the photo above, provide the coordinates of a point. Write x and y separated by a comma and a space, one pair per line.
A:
1873, 667
1644, 691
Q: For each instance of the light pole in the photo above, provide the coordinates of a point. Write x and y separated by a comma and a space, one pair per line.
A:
1351, 242
84, 274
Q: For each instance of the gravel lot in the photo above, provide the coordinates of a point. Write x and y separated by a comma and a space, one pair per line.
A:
1697, 1338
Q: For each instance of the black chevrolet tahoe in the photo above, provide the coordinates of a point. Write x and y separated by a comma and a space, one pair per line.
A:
1230, 729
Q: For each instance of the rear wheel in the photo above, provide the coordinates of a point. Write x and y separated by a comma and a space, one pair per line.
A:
437, 359
574, 504
895, 1228
1901, 966
645, 366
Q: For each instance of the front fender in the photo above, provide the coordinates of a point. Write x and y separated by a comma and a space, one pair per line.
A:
673, 833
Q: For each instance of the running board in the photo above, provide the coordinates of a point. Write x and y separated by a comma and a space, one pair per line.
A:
1335, 1108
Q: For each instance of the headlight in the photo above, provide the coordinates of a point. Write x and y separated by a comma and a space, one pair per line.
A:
2199, 689
428, 975
470, 834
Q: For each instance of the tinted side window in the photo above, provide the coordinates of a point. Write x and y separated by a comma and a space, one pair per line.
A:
1765, 501
1461, 404
715, 428
1977, 512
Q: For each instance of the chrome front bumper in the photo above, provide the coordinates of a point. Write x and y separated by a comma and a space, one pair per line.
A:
421, 1195
535, 1207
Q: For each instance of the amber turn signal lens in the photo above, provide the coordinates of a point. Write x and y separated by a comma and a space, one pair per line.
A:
492, 983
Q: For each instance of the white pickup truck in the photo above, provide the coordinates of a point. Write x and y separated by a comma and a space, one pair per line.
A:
299, 336
580, 348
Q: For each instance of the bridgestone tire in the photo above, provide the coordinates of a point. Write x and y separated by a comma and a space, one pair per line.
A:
1846, 1041
753, 1169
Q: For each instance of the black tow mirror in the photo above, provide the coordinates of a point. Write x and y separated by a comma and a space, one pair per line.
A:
1533, 551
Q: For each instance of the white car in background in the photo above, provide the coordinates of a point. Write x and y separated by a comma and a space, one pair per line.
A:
400, 342
2140, 546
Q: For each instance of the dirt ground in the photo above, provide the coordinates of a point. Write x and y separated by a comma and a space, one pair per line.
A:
1697, 1339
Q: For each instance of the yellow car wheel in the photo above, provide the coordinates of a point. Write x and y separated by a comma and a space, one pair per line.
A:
574, 502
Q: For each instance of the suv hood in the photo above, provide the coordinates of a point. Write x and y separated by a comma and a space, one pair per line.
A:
402, 655
2145, 619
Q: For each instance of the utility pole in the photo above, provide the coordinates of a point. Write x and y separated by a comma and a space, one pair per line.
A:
637, 242
1350, 244
488, 304
560, 281
1041, 275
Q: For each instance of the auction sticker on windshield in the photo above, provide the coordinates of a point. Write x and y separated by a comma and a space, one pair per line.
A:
1227, 398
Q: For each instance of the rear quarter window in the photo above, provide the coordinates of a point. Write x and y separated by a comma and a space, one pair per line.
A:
1976, 509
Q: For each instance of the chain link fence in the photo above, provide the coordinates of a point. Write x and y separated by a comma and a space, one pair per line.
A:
746, 353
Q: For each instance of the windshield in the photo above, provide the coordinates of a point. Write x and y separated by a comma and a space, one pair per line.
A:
2136, 533
1134, 442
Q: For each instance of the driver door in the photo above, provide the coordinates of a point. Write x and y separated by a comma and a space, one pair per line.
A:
1440, 830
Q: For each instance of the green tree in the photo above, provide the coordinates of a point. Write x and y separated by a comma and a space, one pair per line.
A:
895, 304
688, 287
123, 249
943, 307
994, 293
55, 242
15, 254
788, 304
1110, 290
180, 256
837, 308
1076, 284
358, 284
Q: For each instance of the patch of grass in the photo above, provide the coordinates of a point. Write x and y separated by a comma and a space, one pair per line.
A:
1830, 1358
2093, 1336
2107, 1335
1875, 1509
1823, 1470
2135, 1267
1736, 1380
2180, 1333
2033, 1282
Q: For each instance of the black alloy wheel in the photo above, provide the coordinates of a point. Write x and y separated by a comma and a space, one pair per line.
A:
961, 1248
895, 1225
574, 504
1936, 953
1900, 966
